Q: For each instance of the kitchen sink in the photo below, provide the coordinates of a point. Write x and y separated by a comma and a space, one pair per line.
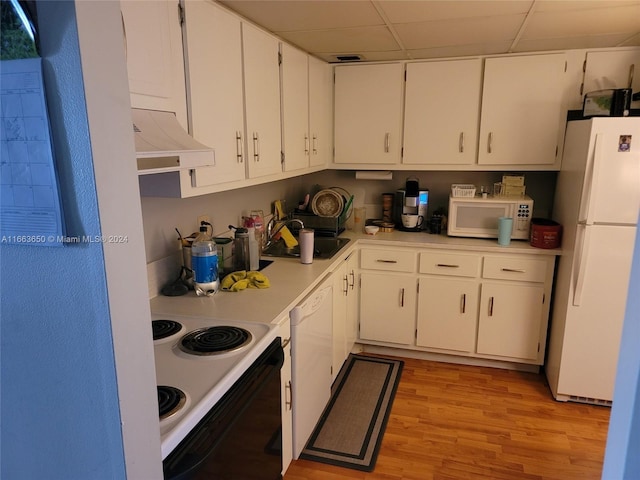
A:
323, 247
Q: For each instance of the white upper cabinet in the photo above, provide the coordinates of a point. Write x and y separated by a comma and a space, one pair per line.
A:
295, 108
153, 42
368, 113
612, 69
441, 113
262, 101
213, 51
523, 110
320, 112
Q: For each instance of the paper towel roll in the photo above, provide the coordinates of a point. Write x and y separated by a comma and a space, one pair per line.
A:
305, 239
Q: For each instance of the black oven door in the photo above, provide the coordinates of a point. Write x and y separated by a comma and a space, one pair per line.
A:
241, 436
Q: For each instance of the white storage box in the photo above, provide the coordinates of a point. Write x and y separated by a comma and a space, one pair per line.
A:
463, 190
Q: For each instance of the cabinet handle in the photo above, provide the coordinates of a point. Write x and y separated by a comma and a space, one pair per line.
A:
346, 286
491, 306
490, 143
463, 303
286, 342
402, 297
461, 143
288, 399
353, 279
315, 144
447, 265
386, 261
515, 270
256, 147
239, 154
306, 144
386, 142
631, 70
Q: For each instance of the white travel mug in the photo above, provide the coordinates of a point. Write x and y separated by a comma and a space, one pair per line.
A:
305, 239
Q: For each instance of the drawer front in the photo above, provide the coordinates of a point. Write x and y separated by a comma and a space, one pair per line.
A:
453, 264
389, 260
514, 268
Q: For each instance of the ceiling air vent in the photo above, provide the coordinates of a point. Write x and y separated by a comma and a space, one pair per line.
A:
348, 58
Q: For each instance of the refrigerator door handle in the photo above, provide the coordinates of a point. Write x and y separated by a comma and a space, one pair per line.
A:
582, 260
595, 174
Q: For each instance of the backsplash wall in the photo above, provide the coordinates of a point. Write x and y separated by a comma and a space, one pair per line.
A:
161, 216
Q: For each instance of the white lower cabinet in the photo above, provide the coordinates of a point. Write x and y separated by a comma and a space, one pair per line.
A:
447, 313
388, 300
387, 307
285, 380
345, 319
514, 306
448, 300
509, 321
470, 304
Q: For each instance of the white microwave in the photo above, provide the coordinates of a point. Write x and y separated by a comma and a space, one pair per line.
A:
478, 217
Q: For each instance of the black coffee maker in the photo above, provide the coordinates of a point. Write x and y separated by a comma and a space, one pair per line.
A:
411, 205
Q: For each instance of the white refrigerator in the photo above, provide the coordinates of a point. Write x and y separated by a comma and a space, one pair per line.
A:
597, 200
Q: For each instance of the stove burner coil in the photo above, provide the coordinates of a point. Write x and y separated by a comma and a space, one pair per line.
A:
170, 400
214, 340
165, 328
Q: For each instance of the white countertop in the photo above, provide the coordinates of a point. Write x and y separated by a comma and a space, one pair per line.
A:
291, 281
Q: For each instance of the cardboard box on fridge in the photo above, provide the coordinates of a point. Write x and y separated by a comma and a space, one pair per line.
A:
513, 190
513, 180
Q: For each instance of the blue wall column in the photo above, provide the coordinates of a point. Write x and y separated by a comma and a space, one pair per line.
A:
622, 456
60, 414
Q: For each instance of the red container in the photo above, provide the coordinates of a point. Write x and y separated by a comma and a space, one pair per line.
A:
545, 233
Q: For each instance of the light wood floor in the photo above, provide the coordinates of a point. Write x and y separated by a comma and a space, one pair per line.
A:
461, 422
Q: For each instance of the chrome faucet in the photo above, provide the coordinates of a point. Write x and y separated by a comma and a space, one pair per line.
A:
270, 232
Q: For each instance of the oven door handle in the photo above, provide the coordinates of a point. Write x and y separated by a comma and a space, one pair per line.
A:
212, 429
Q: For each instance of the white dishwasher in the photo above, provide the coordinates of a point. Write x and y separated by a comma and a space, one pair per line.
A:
311, 357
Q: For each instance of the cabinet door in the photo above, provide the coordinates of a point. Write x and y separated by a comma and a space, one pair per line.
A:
285, 381
447, 313
387, 308
155, 65
368, 113
213, 51
353, 297
320, 112
522, 110
262, 101
441, 112
509, 320
345, 311
613, 69
340, 295
295, 108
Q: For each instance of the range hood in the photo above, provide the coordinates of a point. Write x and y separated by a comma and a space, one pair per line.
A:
162, 145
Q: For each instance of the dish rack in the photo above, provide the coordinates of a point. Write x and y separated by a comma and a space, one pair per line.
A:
323, 226
463, 190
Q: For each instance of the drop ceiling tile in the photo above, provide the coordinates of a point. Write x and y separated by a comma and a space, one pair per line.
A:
461, 32
460, 51
285, 16
406, 11
631, 41
580, 5
344, 40
597, 21
569, 43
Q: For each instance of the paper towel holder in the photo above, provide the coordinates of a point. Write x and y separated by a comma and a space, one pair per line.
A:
374, 175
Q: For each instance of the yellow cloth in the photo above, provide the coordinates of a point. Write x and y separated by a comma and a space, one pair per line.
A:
240, 280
